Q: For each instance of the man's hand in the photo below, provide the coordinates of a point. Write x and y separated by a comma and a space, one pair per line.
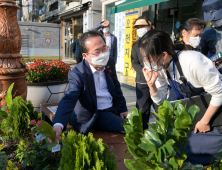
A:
105, 23
201, 127
58, 132
123, 115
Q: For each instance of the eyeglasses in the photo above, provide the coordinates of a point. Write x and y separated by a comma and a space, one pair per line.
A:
98, 52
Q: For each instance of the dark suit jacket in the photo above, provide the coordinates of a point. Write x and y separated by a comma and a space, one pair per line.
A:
113, 51
81, 96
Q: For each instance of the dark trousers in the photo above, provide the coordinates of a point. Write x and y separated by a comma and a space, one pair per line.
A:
143, 102
108, 120
78, 60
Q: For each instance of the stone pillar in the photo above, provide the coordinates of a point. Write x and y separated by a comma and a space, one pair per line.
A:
12, 69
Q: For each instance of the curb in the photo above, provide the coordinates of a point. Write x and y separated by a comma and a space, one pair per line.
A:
128, 86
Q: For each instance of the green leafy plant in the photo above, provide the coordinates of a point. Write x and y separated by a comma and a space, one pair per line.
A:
6, 132
83, 152
159, 148
3, 158
38, 155
20, 114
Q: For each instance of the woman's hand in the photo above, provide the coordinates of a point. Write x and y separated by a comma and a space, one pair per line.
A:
150, 77
201, 127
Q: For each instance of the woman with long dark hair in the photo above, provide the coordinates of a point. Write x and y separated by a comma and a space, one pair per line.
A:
144, 102
162, 75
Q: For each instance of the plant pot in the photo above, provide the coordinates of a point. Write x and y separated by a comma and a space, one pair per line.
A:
48, 92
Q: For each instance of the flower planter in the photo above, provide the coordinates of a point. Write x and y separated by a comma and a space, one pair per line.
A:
49, 92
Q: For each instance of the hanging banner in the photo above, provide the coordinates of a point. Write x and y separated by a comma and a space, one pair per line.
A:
130, 39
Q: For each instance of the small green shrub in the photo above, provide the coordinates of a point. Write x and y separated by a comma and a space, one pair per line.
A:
3, 161
159, 148
20, 114
84, 153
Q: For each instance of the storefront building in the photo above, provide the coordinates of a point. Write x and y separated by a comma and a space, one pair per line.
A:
74, 16
165, 15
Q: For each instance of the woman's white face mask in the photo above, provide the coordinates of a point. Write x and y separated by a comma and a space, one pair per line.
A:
141, 31
194, 41
152, 67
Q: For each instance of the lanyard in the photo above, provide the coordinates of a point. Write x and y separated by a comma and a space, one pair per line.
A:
175, 84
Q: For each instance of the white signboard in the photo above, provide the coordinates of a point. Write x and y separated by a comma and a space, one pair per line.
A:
119, 33
87, 20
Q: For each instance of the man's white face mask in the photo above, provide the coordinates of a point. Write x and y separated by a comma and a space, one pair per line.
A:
105, 30
141, 31
194, 41
101, 60
217, 23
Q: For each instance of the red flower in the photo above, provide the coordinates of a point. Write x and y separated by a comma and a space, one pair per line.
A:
32, 122
109, 71
39, 123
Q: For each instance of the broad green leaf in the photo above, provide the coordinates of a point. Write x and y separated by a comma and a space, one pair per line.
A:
170, 142
25, 162
4, 108
130, 142
135, 135
127, 152
169, 149
137, 124
167, 104
193, 110
138, 166
128, 128
176, 104
8, 97
182, 120
51, 145
150, 155
135, 111
140, 153
173, 162
153, 126
161, 125
140, 115
180, 108
127, 163
147, 147
132, 151
143, 163
160, 116
163, 110
153, 137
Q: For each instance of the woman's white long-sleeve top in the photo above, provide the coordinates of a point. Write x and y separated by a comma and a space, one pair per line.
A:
198, 70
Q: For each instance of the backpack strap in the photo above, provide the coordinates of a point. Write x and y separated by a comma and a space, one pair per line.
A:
182, 77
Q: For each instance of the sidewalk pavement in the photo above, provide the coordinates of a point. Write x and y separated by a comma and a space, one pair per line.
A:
128, 86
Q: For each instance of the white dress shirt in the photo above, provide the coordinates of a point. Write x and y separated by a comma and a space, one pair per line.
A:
108, 40
104, 98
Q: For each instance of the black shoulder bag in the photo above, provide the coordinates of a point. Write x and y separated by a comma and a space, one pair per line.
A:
202, 101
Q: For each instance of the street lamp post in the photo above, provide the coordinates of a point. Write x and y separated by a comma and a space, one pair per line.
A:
12, 69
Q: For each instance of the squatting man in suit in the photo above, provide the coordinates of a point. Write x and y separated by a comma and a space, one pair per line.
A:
94, 98
110, 39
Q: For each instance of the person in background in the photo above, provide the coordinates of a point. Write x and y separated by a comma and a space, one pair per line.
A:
76, 51
94, 98
211, 42
111, 39
191, 31
161, 71
144, 101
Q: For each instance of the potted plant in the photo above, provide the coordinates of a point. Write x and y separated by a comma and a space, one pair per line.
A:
46, 81
159, 148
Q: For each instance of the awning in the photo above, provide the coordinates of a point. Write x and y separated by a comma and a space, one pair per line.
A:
130, 4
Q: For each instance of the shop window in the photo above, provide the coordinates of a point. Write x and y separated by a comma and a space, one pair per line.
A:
54, 6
